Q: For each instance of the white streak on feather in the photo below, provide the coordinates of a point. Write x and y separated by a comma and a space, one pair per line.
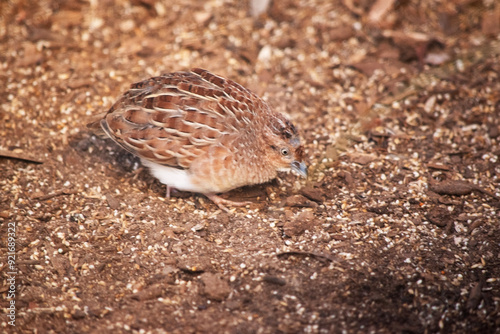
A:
201, 97
227, 110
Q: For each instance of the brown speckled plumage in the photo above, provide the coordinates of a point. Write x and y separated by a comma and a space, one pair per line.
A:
200, 132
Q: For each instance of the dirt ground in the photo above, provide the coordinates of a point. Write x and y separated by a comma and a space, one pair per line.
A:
396, 229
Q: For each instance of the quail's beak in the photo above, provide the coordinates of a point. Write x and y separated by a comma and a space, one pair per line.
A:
300, 168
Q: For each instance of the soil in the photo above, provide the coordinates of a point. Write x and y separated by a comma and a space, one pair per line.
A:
395, 230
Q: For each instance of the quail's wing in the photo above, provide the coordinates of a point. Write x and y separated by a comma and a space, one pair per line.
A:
175, 118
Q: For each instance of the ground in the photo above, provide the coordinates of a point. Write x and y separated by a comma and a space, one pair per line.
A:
395, 230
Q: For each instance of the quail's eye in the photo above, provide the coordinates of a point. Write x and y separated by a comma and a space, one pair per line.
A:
284, 152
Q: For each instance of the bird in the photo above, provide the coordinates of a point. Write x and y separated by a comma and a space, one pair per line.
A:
199, 132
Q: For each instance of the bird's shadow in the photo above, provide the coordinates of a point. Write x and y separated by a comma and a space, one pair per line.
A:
123, 163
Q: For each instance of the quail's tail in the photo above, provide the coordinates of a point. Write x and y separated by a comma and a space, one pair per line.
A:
94, 124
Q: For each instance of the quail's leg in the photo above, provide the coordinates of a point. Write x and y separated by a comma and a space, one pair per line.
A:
170, 191
221, 202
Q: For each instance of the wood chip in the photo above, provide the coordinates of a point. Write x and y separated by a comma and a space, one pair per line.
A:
18, 156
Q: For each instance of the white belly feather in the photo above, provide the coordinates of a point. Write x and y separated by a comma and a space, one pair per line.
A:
179, 179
